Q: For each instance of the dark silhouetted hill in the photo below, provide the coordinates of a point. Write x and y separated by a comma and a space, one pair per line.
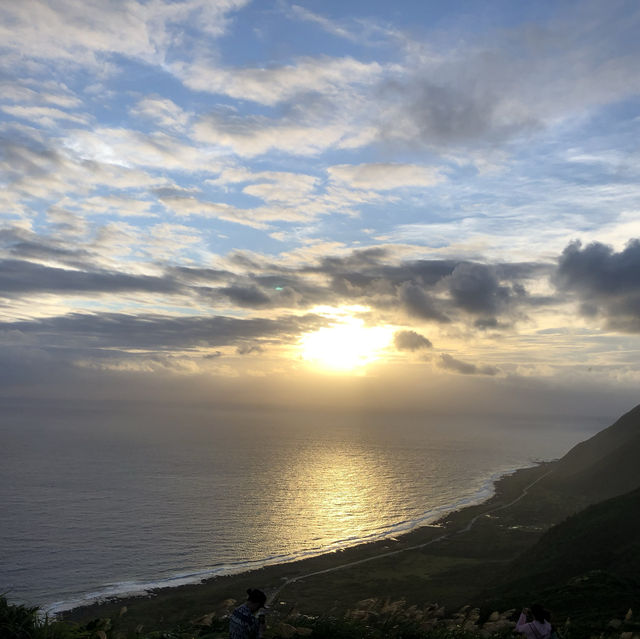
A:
603, 466
587, 567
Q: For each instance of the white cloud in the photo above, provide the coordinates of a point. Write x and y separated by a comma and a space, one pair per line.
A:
162, 111
120, 206
43, 116
384, 176
80, 32
130, 148
272, 85
330, 26
255, 135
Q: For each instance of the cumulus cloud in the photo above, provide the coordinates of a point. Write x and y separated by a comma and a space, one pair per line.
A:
458, 366
410, 341
606, 282
477, 289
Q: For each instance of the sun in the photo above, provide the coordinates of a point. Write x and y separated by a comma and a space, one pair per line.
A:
344, 346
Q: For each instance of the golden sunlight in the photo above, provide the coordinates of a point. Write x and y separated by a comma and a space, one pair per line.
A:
346, 346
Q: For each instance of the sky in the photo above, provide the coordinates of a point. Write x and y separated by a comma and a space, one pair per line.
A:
408, 205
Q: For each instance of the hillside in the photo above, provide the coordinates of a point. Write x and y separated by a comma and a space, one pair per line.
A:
603, 466
585, 567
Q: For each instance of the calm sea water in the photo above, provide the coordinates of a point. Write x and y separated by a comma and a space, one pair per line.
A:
97, 502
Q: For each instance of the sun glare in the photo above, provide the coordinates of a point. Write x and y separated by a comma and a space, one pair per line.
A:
346, 346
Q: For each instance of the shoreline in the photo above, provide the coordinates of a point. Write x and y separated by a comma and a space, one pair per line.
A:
272, 577
112, 593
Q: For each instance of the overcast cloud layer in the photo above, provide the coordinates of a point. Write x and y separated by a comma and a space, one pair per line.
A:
191, 187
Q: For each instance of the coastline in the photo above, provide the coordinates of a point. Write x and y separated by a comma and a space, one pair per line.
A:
180, 601
136, 589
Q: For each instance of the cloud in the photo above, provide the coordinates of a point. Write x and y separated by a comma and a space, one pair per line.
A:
271, 85
253, 135
19, 277
246, 296
452, 364
157, 332
248, 349
607, 283
410, 341
43, 116
477, 289
161, 111
384, 176
329, 26
420, 304
130, 148
502, 85
87, 32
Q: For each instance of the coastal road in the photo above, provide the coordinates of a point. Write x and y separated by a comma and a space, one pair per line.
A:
447, 535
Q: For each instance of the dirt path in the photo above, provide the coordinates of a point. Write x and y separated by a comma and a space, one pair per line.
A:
467, 528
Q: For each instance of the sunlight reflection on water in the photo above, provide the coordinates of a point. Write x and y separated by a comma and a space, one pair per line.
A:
132, 501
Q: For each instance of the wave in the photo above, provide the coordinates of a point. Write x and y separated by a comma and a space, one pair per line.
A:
111, 592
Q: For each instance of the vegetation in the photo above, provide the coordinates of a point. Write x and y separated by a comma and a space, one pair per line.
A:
374, 619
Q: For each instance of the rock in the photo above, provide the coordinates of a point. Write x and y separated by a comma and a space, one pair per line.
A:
615, 623
626, 635
629, 615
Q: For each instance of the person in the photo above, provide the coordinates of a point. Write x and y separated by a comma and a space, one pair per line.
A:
539, 627
243, 623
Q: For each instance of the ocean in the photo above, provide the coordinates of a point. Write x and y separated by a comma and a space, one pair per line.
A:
98, 502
